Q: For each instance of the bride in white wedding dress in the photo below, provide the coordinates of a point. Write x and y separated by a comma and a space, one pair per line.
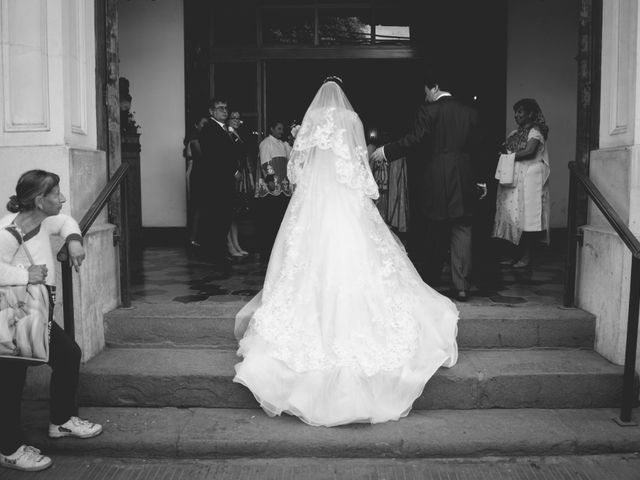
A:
344, 329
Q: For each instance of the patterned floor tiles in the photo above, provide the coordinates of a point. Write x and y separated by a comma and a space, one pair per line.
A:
169, 274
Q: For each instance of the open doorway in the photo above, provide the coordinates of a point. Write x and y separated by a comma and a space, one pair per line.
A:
384, 93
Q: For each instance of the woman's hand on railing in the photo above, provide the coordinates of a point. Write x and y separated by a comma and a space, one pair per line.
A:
37, 274
76, 254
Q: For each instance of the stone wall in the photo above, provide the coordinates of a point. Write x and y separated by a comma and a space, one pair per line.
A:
604, 261
48, 121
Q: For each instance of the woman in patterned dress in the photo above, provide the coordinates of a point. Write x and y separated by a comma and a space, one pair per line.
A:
522, 210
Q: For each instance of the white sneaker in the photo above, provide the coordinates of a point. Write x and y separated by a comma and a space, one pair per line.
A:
27, 459
75, 427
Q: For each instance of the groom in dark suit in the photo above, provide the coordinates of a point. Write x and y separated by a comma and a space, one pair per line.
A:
446, 136
217, 173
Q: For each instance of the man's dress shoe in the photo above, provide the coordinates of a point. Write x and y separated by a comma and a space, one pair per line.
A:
462, 295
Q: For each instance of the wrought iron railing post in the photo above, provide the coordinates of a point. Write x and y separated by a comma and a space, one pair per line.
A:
67, 297
572, 243
125, 277
85, 224
629, 399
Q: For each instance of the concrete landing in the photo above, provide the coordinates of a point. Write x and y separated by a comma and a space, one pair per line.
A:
228, 433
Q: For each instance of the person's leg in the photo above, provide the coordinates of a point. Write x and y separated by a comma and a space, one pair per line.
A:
234, 238
269, 225
283, 204
214, 228
225, 219
64, 359
461, 253
194, 237
524, 250
231, 247
436, 245
260, 208
13, 376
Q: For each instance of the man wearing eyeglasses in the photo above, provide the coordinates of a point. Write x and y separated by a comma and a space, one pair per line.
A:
217, 177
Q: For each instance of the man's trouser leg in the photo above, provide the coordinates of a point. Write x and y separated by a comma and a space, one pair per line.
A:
461, 253
437, 241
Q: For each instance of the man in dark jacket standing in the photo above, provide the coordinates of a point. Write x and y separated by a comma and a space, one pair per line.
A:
216, 174
446, 134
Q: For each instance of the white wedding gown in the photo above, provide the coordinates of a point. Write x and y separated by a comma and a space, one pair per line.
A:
344, 330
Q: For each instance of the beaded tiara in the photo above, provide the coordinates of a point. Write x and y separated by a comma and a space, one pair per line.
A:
333, 78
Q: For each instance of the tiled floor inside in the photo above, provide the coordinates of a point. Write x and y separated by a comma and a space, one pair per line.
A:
168, 274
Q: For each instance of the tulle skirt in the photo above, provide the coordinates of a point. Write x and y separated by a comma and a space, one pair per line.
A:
344, 330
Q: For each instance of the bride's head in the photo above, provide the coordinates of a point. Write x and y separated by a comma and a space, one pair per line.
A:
331, 95
333, 78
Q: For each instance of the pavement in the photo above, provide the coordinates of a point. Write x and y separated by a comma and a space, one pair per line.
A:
602, 467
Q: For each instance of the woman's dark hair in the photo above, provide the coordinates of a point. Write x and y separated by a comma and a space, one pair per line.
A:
274, 123
530, 106
333, 78
30, 185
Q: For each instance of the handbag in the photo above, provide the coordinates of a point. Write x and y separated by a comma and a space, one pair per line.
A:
25, 319
505, 171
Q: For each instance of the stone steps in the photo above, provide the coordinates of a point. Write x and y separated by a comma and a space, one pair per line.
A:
482, 379
210, 325
202, 433
527, 383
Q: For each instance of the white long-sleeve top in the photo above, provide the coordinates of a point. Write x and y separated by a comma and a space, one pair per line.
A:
271, 148
13, 267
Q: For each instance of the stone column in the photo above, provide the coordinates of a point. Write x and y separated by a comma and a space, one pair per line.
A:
604, 260
48, 121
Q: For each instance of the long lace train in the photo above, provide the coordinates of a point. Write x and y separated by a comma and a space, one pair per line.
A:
344, 330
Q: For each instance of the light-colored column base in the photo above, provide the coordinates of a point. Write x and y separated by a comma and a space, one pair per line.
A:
603, 288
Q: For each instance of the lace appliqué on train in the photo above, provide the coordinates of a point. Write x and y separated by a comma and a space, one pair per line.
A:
390, 343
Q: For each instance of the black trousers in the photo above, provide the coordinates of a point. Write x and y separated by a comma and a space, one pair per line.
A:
64, 360
215, 222
454, 236
271, 210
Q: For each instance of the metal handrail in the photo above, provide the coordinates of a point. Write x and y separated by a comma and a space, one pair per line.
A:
85, 224
577, 176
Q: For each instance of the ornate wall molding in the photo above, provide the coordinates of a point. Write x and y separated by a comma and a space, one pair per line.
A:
619, 62
78, 67
25, 68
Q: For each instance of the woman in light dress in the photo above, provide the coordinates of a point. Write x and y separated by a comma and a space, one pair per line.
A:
522, 209
344, 329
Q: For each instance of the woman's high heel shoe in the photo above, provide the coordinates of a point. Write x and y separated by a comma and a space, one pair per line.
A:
233, 252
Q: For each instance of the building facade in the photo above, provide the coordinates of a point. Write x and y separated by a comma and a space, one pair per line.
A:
267, 57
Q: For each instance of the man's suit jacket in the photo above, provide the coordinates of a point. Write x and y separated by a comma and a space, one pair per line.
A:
219, 160
445, 139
